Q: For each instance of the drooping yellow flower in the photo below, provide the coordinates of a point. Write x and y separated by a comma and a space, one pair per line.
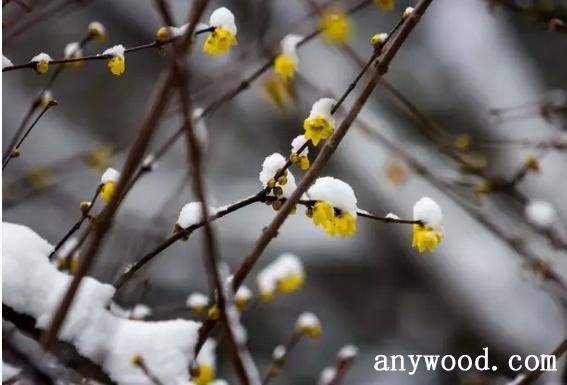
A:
279, 91
41, 62
345, 225
323, 212
317, 128
284, 66
290, 283
335, 26
206, 375
219, 41
386, 5
107, 191
117, 62
425, 238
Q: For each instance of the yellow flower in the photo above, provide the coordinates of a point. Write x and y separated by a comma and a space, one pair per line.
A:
219, 41
378, 40
345, 224
99, 157
463, 142
279, 91
290, 284
308, 324
107, 191
304, 163
163, 34
386, 5
322, 213
285, 66
314, 331
267, 296
335, 26
97, 31
206, 375
42, 67
317, 128
214, 313
117, 65
426, 238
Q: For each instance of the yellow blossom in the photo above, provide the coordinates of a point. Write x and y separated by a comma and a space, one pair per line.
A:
322, 213
206, 375
42, 67
219, 41
335, 26
345, 225
386, 5
313, 331
304, 163
107, 191
117, 65
290, 283
97, 31
267, 296
163, 34
285, 66
463, 142
425, 238
214, 313
317, 128
279, 91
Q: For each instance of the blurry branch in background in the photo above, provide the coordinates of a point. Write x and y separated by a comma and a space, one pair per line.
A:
532, 376
335, 375
280, 355
551, 14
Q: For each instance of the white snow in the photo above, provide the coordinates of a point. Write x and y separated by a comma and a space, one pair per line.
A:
197, 300
429, 212
218, 381
296, 144
116, 51
289, 46
334, 191
110, 175
243, 293
308, 320
222, 17
141, 311
32, 286
192, 214
96, 27
322, 107
408, 11
6, 62
41, 57
327, 375
270, 167
392, 216
282, 267
9, 371
540, 213
73, 49
200, 128
278, 353
207, 355
68, 247
347, 352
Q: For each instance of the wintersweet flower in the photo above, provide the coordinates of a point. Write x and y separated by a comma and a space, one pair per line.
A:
300, 159
428, 235
108, 182
223, 36
309, 324
242, 297
206, 361
41, 63
378, 40
320, 123
386, 5
335, 26
284, 276
117, 63
97, 30
197, 302
73, 51
278, 91
285, 64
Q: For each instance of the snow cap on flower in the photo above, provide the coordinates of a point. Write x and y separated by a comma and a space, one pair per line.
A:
97, 30
297, 143
110, 175
429, 212
73, 50
320, 123
206, 361
117, 63
540, 214
197, 301
323, 107
41, 62
407, 12
140, 311
223, 37
46, 98
6, 62
285, 64
284, 275
192, 214
334, 191
270, 167
327, 375
308, 324
223, 17
347, 352
242, 297
279, 353
392, 216
289, 45
377, 40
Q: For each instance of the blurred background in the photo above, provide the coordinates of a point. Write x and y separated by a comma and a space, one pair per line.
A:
486, 78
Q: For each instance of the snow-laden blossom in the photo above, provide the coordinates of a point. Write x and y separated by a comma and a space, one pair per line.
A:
32, 286
140, 311
206, 361
540, 214
278, 91
303, 159
320, 123
242, 297
327, 375
430, 234
386, 5
68, 256
192, 214
223, 36
6, 62
117, 63
197, 302
392, 216
284, 275
335, 206
335, 26
347, 352
41, 63
279, 353
407, 12
285, 64
73, 51
46, 98
97, 30
285, 185
308, 324
108, 183
378, 40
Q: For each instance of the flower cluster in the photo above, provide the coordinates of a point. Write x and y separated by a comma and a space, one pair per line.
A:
284, 275
283, 186
285, 64
108, 183
300, 157
334, 208
429, 234
320, 123
223, 35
